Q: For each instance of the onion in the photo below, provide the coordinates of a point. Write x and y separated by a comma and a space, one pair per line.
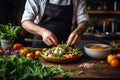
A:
118, 55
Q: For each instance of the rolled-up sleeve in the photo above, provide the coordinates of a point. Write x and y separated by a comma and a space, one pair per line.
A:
82, 14
30, 11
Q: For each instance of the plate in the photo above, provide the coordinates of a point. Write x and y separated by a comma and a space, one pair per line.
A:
61, 60
100, 35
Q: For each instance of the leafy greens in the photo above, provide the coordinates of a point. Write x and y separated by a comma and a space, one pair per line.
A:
8, 31
17, 67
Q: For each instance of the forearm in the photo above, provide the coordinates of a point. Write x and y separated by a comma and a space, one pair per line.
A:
81, 28
32, 27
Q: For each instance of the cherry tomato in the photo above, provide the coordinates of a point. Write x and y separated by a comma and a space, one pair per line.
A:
17, 46
110, 57
23, 51
30, 55
37, 53
44, 49
115, 63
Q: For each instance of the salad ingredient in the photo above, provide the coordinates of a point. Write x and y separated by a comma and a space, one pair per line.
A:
30, 55
88, 65
110, 57
115, 63
37, 53
23, 51
44, 49
62, 51
9, 31
113, 60
19, 68
67, 55
118, 55
17, 46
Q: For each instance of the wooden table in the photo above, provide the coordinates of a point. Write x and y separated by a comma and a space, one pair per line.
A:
105, 71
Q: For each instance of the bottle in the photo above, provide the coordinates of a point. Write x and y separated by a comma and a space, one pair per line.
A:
113, 27
105, 6
115, 5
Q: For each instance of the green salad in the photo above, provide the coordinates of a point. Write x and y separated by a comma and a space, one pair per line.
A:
62, 51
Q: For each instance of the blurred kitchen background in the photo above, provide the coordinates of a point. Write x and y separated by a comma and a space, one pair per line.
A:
11, 12
104, 19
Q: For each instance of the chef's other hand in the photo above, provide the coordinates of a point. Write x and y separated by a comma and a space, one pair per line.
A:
49, 38
73, 39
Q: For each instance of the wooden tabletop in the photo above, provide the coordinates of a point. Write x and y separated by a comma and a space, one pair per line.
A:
103, 71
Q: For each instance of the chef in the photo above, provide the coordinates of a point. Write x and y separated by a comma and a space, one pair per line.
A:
51, 21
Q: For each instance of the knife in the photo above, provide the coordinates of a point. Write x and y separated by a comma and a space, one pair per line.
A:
31, 40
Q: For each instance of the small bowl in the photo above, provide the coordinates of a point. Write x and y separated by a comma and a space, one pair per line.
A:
98, 53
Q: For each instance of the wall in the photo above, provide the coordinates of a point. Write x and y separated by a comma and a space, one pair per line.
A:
11, 11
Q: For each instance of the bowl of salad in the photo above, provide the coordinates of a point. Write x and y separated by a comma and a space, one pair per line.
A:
61, 54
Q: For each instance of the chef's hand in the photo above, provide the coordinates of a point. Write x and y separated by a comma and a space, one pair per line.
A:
73, 39
49, 38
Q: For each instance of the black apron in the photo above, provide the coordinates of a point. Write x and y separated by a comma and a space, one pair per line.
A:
58, 19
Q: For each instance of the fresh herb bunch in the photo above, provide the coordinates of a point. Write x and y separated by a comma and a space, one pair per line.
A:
14, 66
8, 31
19, 68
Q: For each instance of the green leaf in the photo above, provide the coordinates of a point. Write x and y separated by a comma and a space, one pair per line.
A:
19, 68
8, 31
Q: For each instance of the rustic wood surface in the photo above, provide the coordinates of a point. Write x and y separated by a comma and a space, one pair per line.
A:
105, 71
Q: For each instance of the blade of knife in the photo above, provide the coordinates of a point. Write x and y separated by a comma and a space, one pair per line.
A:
31, 40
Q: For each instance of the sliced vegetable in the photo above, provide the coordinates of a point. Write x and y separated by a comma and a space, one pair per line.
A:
62, 51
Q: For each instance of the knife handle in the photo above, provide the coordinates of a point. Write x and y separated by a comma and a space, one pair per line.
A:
32, 40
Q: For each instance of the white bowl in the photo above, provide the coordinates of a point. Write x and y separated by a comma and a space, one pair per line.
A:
97, 54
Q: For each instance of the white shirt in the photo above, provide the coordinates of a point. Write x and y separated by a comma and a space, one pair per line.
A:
34, 9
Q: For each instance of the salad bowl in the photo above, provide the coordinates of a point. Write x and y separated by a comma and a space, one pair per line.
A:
62, 54
61, 60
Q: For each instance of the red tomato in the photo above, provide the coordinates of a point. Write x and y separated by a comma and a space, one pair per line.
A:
30, 55
17, 46
115, 63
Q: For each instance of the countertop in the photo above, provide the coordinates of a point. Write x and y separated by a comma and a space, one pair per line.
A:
104, 71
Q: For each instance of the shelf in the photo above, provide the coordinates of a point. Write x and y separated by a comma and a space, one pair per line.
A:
102, 12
